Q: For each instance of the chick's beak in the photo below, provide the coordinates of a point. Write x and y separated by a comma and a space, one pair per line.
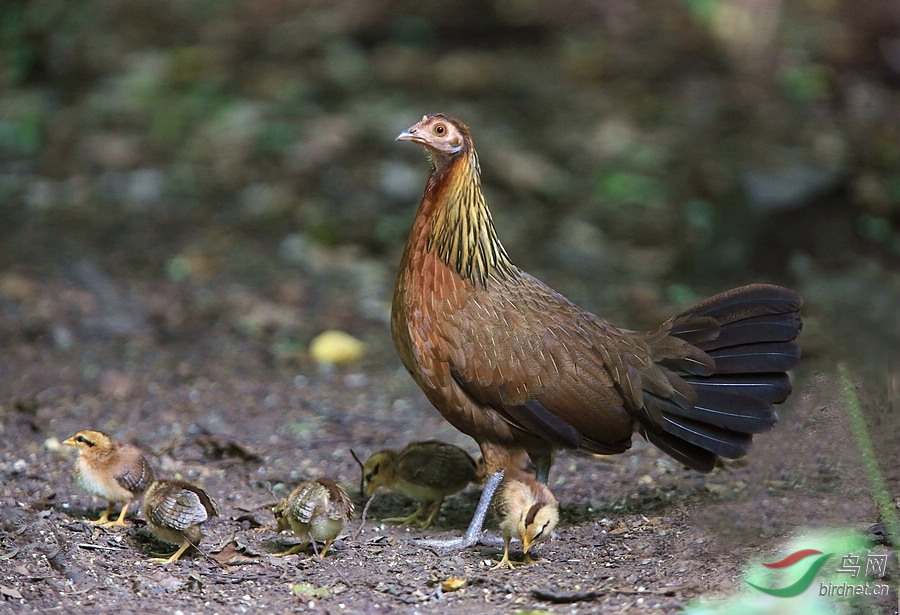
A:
69, 441
526, 544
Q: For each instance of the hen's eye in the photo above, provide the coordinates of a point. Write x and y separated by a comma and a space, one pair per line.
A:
440, 130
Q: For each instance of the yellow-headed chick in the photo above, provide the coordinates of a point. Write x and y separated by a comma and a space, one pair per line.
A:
527, 510
315, 511
428, 471
118, 473
176, 512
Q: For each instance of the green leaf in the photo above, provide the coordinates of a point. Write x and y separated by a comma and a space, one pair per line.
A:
308, 591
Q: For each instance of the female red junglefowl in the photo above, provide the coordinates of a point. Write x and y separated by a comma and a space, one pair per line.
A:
517, 366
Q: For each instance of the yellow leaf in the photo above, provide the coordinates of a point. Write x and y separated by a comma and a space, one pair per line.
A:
336, 347
451, 584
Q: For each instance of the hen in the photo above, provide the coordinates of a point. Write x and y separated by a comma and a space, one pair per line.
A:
518, 367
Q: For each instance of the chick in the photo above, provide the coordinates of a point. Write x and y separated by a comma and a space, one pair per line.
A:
177, 512
527, 510
428, 471
315, 510
118, 473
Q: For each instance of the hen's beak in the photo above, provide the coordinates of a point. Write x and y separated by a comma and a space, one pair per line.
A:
413, 133
410, 134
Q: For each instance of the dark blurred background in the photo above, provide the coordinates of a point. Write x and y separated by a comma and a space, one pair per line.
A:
192, 190
636, 155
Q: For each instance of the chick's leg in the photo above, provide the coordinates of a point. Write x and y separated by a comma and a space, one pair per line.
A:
325, 548
473, 533
104, 518
120, 522
542, 465
434, 513
505, 562
291, 551
412, 518
174, 557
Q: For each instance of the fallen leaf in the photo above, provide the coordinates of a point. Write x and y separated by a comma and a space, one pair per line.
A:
336, 348
451, 584
233, 554
308, 591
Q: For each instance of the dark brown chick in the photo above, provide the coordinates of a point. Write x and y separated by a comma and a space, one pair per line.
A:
177, 512
428, 471
518, 367
527, 510
118, 473
315, 511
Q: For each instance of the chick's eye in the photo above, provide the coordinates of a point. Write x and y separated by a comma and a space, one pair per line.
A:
440, 130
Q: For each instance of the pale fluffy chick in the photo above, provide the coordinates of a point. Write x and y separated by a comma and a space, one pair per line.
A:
177, 512
428, 471
118, 473
527, 510
315, 510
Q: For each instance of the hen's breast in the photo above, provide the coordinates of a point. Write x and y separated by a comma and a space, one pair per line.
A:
479, 353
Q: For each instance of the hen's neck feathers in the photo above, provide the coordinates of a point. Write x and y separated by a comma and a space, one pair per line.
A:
462, 230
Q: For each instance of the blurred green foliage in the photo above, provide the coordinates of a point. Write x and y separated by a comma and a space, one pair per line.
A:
277, 136
26, 26
638, 118
878, 230
806, 83
681, 295
21, 136
700, 216
703, 10
620, 187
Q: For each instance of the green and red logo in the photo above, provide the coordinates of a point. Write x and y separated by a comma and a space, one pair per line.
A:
801, 584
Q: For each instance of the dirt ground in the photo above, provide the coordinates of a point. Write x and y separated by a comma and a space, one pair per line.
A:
190, 191
195, 374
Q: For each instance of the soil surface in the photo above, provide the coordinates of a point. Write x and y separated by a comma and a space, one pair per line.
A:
191, 191
192, 374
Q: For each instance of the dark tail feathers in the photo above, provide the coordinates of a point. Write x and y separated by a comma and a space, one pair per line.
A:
742, 344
